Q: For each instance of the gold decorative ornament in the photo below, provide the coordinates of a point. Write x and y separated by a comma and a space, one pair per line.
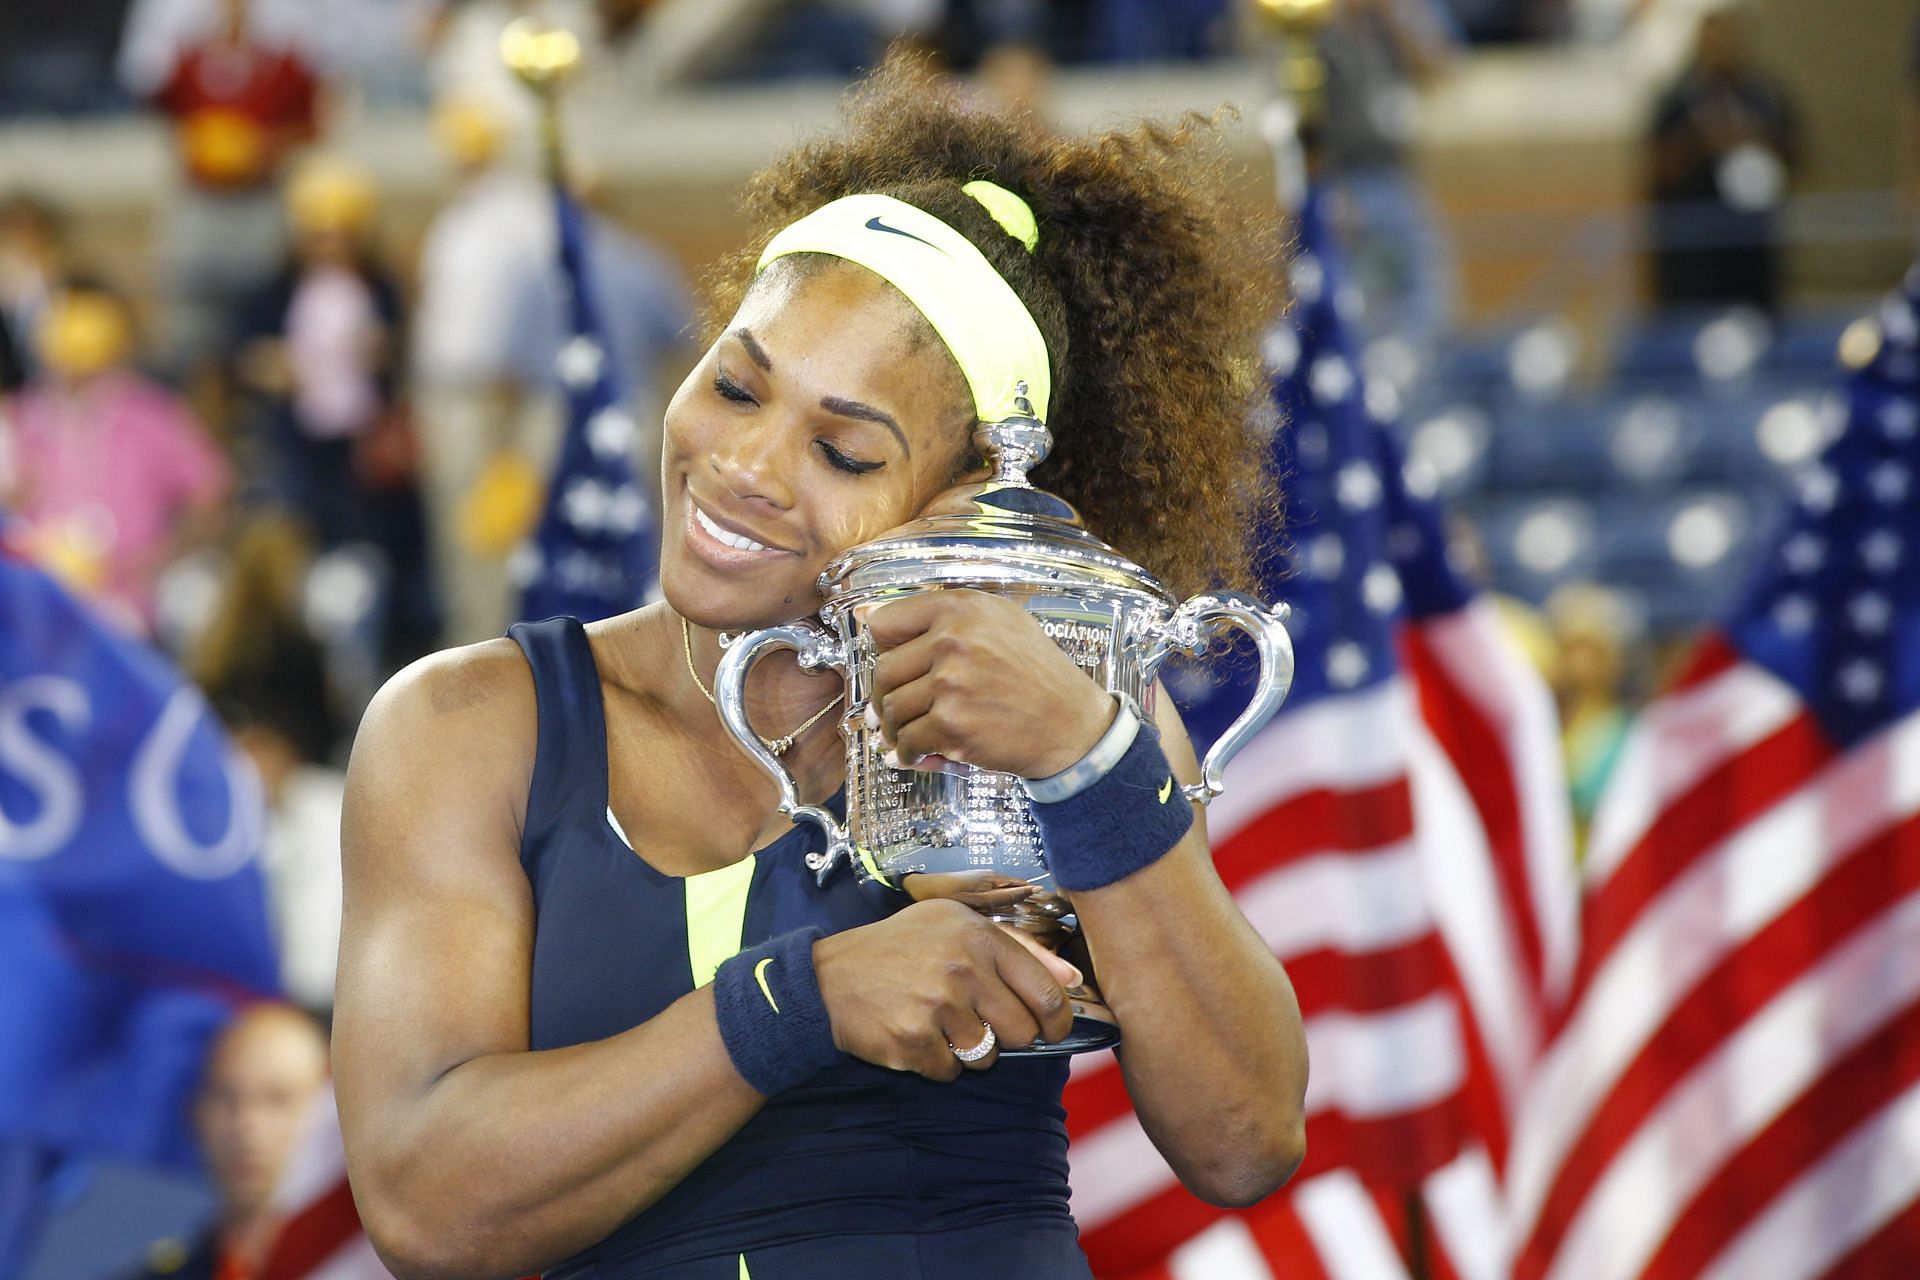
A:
544, 57
1298, 24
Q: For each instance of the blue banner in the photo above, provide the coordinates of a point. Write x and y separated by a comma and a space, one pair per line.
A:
133, 916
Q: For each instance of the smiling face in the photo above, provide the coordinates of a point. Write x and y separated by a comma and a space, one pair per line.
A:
825, 415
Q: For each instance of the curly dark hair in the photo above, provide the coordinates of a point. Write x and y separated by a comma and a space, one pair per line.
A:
1150, 293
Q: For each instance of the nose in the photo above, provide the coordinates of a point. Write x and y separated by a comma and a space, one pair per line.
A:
755, 464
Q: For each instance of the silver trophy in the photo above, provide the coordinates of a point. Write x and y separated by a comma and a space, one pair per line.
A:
967, 833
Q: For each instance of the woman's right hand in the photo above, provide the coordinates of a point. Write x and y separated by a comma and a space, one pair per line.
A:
902, 992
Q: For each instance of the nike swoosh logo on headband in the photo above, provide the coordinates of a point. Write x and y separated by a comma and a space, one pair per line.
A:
874, 224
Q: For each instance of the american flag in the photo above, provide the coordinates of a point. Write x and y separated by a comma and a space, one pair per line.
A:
594, 553
1400, 835
1736, 1091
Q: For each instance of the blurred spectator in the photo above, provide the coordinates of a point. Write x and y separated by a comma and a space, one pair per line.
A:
1593, 634
322, 346
381, 48
1724, 141
32, 260
377, 47
301, 853
114, 477
241, 97
488, 340
255, 648
268, 677
1380, 56
485, 435
159, 33
262, 1077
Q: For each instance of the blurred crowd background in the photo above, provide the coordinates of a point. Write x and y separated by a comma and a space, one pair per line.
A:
279, 315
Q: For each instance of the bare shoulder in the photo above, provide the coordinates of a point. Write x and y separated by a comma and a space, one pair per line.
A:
437, 921
454, 681
448, 741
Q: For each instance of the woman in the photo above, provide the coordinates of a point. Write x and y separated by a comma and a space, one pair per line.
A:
547, 838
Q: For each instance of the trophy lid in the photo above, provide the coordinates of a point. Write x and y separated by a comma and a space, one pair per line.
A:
993, 533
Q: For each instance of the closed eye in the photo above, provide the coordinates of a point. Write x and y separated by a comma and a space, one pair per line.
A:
732, 390
842, 462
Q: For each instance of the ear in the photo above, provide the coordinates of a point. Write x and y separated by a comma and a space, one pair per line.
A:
969, 467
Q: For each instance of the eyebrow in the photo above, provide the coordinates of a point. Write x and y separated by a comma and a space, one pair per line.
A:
755, 352
832, 404
866, 413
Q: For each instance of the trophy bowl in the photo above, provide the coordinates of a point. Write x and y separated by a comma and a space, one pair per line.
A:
961, 832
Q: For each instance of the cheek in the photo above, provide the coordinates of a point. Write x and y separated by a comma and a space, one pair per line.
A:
681, 425
848, 520
684, 435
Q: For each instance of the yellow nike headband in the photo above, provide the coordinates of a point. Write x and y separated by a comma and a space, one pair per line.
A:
974, 310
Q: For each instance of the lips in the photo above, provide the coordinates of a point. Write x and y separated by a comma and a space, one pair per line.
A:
724, 540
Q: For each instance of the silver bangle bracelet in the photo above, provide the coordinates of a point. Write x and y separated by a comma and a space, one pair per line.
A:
1093, 766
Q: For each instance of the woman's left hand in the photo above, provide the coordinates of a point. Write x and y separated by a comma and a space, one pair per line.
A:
969, 676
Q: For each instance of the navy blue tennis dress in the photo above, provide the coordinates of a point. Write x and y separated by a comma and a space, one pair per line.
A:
861, 1172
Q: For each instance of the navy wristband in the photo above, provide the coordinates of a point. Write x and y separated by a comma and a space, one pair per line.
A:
772, 1019
1121, 823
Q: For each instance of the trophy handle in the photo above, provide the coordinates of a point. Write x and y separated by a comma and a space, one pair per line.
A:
1190, 627
815, 649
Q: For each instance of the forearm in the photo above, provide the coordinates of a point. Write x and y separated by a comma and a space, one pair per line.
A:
1199, 997
510, 1162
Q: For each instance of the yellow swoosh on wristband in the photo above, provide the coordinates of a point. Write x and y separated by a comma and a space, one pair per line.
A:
1166, 789
760, 976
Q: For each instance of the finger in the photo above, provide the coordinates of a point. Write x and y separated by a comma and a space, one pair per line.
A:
898, 621
923, 764
1013, 1023
937, 1061
994, 899
902, 705
968, 1031
1064, 971
1031, 980
981, 889
903, 665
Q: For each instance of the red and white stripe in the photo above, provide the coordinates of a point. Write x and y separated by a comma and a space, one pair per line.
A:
1405, 851
1736, 1089
1333, 1227
322, 1238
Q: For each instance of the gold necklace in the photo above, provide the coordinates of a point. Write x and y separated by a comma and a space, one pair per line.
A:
779, 746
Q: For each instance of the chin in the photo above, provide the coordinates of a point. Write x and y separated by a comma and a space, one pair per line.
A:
721, 603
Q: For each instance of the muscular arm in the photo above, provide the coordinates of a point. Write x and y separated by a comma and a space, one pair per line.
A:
1200, 998
470, 1155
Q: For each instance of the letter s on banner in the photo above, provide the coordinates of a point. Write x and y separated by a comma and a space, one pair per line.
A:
154, 797
51, 778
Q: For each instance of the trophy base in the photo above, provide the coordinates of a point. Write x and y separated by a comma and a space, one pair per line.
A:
1094, 1028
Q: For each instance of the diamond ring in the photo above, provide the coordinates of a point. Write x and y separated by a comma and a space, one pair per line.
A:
980, 1050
